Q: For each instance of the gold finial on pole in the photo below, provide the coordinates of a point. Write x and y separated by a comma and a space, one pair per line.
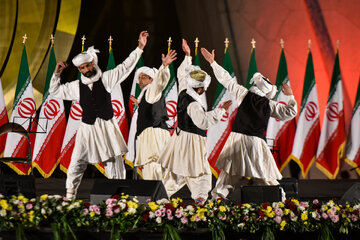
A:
24, 38
337, 45
52, 39
309, 44
253, 43
282, 43
83, 42
226, 42
196, 42
169, 44
110, 39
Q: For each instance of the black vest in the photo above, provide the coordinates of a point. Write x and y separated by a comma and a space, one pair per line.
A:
95, 103
184, 121
252, 116
151, 115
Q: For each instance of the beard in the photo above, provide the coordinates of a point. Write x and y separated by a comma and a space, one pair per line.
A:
90, 74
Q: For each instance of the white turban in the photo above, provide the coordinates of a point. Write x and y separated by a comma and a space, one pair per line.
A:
151, 72
264, 85
85, 57
193, 83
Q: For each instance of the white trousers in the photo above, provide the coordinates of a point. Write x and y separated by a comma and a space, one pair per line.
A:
114, 169
198, 186
152, 171
225, 183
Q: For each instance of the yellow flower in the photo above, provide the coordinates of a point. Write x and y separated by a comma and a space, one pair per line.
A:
92, 214
304, 216
305, 223
211, 204
124, 196
222, 209
268, 209
282, 205
286, 211
282, 225
153, 206
44, 197
246, 205
132, 204
23, 199
192, 218
296, 202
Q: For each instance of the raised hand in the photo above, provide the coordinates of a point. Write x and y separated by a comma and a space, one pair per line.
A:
186, 48
169, 58
210, 57
143, 39
286, 89
60, 66
134, 100
226, 105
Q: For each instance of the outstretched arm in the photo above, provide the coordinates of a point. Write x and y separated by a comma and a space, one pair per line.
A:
224, 77
281, 111
122, 71
181, 74
68, 91
153, 94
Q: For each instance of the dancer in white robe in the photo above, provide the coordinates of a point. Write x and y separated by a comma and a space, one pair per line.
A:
184, 158
98, 138
152, 130
245, 153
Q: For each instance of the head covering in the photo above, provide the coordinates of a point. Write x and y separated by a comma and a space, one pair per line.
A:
151, 72
264, 85
88, 56
196, 78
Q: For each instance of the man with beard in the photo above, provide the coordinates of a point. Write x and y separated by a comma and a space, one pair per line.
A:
98, 138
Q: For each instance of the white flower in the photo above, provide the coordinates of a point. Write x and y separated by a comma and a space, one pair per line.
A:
241, 225
132, 210
122, 205
64, 203
49, 211
3, 212
151, 214
162, 201
43, 211
158, 219
190, 208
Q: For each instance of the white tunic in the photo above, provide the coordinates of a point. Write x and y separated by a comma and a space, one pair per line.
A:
102, 140
185, 154
244, 155
152, 140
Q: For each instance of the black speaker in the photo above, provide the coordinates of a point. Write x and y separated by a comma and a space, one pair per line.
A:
290, 186
351, 195
260, 194
16, 184
143, 189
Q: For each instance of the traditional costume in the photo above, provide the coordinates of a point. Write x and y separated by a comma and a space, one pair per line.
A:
98, 138
152, 130
184, 158
245, 153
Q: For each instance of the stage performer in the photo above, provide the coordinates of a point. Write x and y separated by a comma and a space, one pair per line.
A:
152, 130
245, 153
184, 158
98, 138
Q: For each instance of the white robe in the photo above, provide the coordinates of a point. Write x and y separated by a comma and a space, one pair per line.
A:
249, 156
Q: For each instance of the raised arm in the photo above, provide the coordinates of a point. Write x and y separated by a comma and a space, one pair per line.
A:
153, 94
281, 111
68, 91
181, 74
223, 76
122, 71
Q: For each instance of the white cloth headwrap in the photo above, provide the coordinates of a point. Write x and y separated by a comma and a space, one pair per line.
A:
151, 72
192, 83
85, 57
264, 85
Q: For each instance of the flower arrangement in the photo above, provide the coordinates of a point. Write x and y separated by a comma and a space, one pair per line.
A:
121, 214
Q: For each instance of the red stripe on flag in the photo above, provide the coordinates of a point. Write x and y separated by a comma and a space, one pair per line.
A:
65, 157
3, 120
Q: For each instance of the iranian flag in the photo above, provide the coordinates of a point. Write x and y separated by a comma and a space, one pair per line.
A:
51, 127
332, 138
308, 127
171, 96
135, 92
68, 143
3, 119
217, 134
353, 145
23, 113
280, 134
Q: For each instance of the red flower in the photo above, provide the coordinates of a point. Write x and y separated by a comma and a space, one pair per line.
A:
170, 206
87, 204
116, 196
265, 205
145, 216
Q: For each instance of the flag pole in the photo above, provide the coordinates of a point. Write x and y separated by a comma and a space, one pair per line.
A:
83, 43
169, 44
226, 44
110, 39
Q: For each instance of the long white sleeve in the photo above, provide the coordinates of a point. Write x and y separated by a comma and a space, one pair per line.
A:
181, 74
202, 119
229, 82
122, 71
283, 112
153, 93
68, 91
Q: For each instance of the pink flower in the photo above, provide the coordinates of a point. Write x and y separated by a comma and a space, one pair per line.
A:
117, 210
315, 201
158, 213
303, 204
29, 206
85, 211
246, 218
163, 210
109, 213
334, 218
178, 214
197, 218
277, 219
324, 216
168, 211
110, 201
278, 212
222, 217
354, 218
184, 220
170, 217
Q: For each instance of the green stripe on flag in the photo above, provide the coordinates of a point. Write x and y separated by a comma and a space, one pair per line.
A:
357, 100
171, 82
336, 77
197, 58
282, 74
111, 61
309, 81
24, 78
252, 68
50, 72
